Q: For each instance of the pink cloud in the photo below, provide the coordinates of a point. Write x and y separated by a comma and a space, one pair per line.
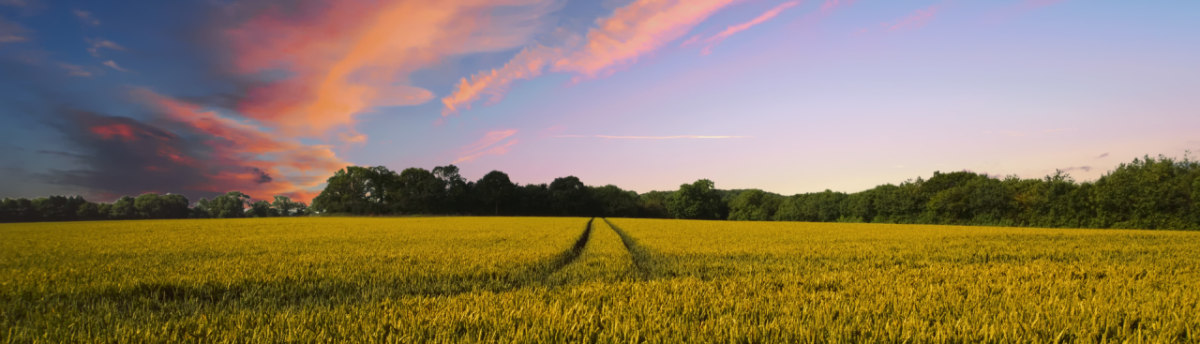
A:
712, 41
831, 5
1021, 8
635, 30
242, 154
487, 146
916, 19
348, 57
631, 32
527, 64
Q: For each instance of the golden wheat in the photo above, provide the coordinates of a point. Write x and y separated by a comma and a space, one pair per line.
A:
547, 280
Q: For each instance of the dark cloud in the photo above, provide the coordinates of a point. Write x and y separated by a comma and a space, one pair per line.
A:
1105, 155
122, 156
260, 176
62, 154
1077, 168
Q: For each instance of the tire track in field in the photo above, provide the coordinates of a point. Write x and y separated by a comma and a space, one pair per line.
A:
648, 266
292, 292
572, 254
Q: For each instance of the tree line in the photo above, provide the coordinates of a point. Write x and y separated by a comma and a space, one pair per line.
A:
146, 206
1148, 193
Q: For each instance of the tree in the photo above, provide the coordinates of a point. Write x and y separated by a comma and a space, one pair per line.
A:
456, 199
88, 212
19, 210
175, 206
653, 204
283, 205
260, 209
698, 200
419, 191
347, 192
229, 205
148, 206
569, 197
614, 202
123, 209
534, 200
494, 188
753, 205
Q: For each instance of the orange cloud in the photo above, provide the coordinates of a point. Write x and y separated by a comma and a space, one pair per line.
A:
527, 64
486, 146
246, 157
635, 30
712, 41
348, 57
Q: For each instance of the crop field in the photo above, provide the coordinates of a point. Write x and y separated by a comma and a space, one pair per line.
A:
550, 280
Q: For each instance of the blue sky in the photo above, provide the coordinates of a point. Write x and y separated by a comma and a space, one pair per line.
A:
270, 97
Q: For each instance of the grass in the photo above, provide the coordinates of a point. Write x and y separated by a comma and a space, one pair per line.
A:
537, 280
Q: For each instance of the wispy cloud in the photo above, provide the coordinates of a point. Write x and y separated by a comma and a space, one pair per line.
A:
731, 30
1057, 130
916, 19
1077, 168
831, 5
100, 43
11, 32
1021, 8
635, 30
358, 55
1102, 156
527, 64
75, 70
618, 40
243, 156
114, 65
86, 17
659, 137
487, 145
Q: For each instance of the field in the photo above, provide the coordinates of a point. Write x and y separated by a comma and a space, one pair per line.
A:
546, 280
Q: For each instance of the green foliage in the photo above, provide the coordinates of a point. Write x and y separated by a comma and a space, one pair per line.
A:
495, 188
614, 202
259, 209
754, 205
698, 200
419, 191
569, 197
1148, 193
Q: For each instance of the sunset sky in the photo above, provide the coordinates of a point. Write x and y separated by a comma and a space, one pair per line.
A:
110, 98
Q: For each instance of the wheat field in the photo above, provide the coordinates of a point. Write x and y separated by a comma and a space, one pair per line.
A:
549, 280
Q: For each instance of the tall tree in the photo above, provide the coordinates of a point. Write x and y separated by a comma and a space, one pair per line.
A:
123, 209
698, 200
753, 205
457, 195
283, 205
419, 191
570, 197
495, 188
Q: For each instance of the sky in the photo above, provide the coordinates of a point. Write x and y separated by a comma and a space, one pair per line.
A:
104, 99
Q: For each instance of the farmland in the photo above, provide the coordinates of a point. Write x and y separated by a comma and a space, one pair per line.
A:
530, 280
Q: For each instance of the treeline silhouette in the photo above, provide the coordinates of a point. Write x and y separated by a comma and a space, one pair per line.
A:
1148, 193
